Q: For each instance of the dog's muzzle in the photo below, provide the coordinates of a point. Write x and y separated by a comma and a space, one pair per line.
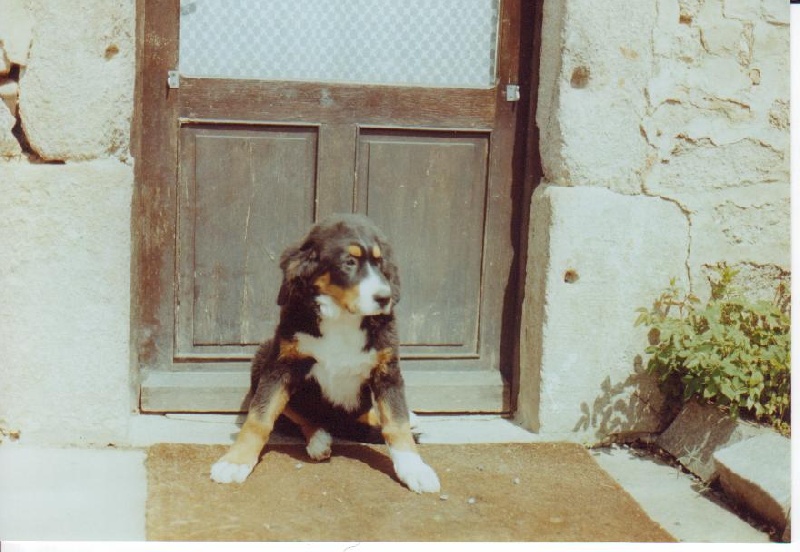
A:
374, 294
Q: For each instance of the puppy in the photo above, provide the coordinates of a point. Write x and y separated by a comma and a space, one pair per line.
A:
333, 359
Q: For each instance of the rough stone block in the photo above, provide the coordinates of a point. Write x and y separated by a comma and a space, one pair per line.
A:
720, 35
594, 257
757, 473
5, 63
9, 146
740, 226
88, 63
594, 72
698, 432
701, 164
16, 25
775, 12
742, 9
677, 37
65, 301
9, 94
756, 282
717, 119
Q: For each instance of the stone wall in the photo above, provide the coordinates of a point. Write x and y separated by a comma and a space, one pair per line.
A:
665, 149
66, 81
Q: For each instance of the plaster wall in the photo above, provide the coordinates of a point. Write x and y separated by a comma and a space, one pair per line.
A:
66, 77
674, 108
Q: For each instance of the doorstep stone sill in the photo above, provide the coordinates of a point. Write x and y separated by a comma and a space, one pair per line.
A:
751, 462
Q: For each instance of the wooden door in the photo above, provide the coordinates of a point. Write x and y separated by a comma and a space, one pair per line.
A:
233, 169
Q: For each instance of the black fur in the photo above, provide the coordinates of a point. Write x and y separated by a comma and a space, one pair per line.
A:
324, 250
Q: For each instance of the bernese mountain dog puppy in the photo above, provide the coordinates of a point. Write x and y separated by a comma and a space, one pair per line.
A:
333, 359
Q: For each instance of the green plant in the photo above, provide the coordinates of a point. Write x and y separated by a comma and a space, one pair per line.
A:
732, 351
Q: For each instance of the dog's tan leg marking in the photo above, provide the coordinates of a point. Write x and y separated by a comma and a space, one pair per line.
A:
306, 427
243, 455
318, 441
396, 434
371, 418
382, 360
409, 467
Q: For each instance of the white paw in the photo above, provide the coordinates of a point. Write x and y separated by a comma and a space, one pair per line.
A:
319, 446
416, 474
225, 472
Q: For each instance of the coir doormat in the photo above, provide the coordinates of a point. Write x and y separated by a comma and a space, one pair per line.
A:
506, 492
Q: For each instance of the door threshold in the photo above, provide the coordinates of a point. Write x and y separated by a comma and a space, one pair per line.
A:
217, 429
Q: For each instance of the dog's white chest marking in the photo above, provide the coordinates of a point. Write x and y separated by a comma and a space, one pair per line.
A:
342, 365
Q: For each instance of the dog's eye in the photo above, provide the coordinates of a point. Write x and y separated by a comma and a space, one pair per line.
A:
350, 262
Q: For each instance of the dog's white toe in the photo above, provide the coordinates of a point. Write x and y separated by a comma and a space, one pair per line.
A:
319, 446
226, 472
416, 474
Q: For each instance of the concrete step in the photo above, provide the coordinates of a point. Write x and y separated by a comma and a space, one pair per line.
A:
675, 499
757, 474
751, 462
698, 432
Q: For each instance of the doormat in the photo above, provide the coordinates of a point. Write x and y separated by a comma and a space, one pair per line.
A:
491, 492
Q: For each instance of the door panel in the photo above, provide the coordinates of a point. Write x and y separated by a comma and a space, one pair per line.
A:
244, 193
427, 191
234, 169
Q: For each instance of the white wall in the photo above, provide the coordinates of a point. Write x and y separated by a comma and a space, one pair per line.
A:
678, 111
65, 238
65, 301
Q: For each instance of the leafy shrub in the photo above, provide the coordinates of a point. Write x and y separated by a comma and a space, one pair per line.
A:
732, 351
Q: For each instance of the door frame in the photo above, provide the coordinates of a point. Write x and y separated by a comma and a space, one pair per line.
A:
154, 145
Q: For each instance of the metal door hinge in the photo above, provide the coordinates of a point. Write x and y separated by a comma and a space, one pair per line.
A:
173, 79
512, 93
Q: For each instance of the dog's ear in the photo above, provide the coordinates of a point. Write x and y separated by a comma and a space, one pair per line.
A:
389, 269
299, 263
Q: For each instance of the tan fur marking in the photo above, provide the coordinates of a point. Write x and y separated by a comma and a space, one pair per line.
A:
355, 250
256, 431
323, 281
376, 252
397, 435
383, 358
307, 428
344, 297
371, 418
289, 350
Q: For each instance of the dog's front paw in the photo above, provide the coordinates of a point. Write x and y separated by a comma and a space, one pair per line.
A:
319, 445
416, 474
227, 472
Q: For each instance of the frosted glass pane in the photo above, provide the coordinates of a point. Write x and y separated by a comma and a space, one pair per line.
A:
416, 42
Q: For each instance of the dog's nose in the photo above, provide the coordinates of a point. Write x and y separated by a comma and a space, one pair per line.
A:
382, 300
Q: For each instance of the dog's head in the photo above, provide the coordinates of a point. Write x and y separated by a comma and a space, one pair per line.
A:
344, 261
